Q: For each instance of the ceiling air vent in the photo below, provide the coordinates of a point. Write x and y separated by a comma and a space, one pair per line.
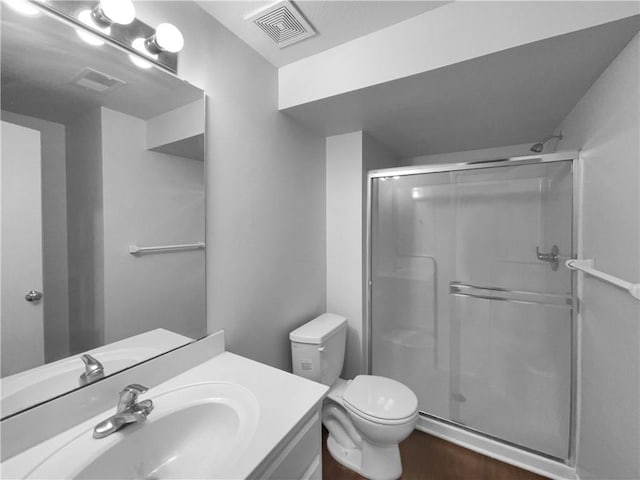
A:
283, 23
96, 81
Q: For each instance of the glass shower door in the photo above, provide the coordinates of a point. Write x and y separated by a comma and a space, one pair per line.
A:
468, 306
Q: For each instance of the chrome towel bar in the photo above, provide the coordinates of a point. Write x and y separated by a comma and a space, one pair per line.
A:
588, 266
136, 250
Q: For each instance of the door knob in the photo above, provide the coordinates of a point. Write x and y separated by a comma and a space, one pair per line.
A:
33, 296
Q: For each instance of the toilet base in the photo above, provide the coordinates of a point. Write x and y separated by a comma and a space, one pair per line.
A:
371, 461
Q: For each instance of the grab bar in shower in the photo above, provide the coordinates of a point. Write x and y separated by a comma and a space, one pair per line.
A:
506, 295
588, 266
136, 250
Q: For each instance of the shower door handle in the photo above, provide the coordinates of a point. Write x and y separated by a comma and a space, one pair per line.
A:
552, 257
506, 295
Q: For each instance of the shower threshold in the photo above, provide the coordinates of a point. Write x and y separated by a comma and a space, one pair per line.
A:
518, 456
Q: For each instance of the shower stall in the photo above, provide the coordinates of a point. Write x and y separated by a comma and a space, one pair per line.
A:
469, 302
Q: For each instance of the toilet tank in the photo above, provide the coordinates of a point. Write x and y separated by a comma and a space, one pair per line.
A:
317, 348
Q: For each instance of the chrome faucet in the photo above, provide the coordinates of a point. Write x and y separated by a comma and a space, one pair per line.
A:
129, 410
93, 370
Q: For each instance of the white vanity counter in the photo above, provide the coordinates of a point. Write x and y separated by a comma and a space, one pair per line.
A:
273, 410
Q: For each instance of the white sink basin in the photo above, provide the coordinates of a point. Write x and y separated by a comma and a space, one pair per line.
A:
197, 431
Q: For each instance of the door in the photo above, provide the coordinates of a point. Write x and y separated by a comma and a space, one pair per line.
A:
468, 307
511, 312
21, 321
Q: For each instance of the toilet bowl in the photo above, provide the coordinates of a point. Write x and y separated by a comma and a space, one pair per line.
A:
366, 428
366, 417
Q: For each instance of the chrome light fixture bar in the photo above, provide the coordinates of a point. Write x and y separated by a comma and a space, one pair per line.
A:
115, 20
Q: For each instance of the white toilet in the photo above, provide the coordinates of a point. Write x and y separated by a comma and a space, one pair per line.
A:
366, 417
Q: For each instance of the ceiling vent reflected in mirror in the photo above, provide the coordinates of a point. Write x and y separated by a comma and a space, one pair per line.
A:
284, 23
96, 81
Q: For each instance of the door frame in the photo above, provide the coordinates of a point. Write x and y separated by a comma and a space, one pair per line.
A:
576, 220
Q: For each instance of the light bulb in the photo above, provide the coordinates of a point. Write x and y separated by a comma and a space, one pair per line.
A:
169, 38
22, 7
139, 62
90, 38
86, 18
116, 11
139, 45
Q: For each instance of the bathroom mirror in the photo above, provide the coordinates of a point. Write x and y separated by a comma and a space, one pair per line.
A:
102, 209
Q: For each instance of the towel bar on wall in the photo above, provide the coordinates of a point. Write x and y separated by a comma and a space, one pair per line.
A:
588, 266
136, 250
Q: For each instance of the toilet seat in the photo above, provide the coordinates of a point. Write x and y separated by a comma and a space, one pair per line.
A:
380, 400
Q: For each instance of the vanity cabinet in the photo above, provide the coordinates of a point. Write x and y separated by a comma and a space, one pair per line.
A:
298, 456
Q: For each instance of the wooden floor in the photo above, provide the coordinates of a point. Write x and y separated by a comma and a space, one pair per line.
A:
426, 457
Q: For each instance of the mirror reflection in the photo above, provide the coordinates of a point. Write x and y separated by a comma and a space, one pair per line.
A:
102, 210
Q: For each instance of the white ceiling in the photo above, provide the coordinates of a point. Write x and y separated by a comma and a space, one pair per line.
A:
511, 97
336, 22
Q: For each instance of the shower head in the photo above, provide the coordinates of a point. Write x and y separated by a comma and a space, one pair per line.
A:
538, 147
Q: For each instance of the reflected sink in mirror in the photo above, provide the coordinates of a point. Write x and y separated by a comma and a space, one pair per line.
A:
48, 381
53, 379
196, 431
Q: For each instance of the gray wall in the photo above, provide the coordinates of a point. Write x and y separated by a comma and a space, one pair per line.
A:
54, 233
265, 192
605, 124
85, 232
349, 158
344, 240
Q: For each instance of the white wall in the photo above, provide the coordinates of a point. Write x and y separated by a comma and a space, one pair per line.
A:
605, 124
449, 34
348, 159
150, 198
54, 233
265, 192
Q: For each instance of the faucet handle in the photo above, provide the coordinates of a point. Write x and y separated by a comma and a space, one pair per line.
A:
91, 364
135, 388
129, 396
93, 369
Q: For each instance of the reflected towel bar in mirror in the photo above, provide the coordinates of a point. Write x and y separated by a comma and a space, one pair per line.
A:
136, 250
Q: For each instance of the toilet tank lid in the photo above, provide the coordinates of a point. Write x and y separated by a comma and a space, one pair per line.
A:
319, 329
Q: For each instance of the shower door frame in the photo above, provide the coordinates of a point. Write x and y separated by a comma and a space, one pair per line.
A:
576, 245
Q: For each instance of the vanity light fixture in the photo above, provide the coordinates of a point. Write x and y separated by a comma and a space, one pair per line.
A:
101, 21
167, 38
22, 7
